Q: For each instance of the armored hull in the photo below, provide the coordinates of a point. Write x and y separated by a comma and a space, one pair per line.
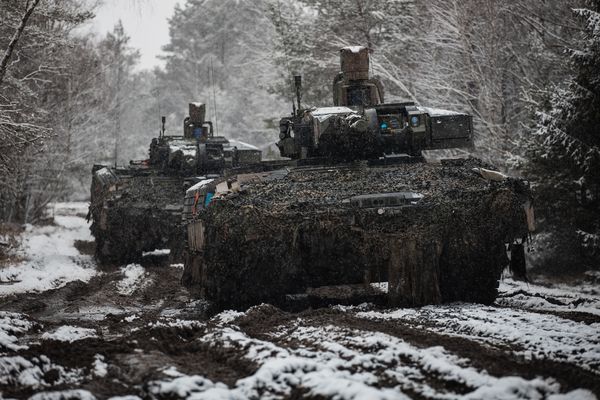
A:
434, 232
133, 211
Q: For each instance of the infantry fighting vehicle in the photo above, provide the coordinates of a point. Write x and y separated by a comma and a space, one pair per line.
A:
137, 209
358, 204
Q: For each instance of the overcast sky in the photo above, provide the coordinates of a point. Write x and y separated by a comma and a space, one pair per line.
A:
145, 21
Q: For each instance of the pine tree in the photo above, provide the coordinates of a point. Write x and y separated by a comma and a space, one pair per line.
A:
223, 59
566, 152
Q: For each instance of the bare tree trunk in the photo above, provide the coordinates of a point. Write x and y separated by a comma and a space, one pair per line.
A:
15, 39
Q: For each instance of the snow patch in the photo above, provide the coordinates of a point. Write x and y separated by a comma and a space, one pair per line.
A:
538, 335
579, 394
52, 259
584, 297
242, 145
382, 286
136, 278
67, 333
129, 397
354, 49
131, 318
228, 316
199, 185
513, 388
18, 371
159, 252
75, 394
178, 323
327, 111
360, 307
100, 367
183, 386
11, 325
438, 112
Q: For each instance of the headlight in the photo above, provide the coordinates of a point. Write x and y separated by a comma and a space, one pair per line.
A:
415, 120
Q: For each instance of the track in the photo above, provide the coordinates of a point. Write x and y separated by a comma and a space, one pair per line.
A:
134, 331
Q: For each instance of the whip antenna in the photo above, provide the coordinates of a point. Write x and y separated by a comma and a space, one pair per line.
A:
212, 79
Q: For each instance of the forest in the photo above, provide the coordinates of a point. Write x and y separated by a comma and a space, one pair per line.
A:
527, 70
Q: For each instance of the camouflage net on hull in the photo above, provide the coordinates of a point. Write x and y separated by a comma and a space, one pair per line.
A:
284, 236
135, 213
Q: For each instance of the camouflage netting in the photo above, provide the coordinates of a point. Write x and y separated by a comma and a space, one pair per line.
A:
133, 213
286, 235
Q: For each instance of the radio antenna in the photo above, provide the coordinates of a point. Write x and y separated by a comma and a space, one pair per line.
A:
212, 80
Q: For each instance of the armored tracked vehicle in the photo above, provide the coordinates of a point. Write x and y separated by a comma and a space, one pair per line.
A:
137, 209
359, 214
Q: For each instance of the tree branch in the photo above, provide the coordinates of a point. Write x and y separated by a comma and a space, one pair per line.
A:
15, 38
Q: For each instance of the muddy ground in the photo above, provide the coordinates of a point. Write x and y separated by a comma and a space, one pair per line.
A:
135, 331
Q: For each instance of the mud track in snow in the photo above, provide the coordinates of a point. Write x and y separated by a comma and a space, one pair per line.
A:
139, 336
498, 360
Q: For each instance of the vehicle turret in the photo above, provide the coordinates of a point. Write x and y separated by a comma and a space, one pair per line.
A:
198, 150
361, 126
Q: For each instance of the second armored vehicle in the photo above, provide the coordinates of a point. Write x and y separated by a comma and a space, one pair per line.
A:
137, 209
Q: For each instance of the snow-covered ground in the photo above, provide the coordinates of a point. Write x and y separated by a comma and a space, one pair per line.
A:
134, 333
135, 277
584, 297
11, 325
69, 334
343, 363
530, 334
50, 257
